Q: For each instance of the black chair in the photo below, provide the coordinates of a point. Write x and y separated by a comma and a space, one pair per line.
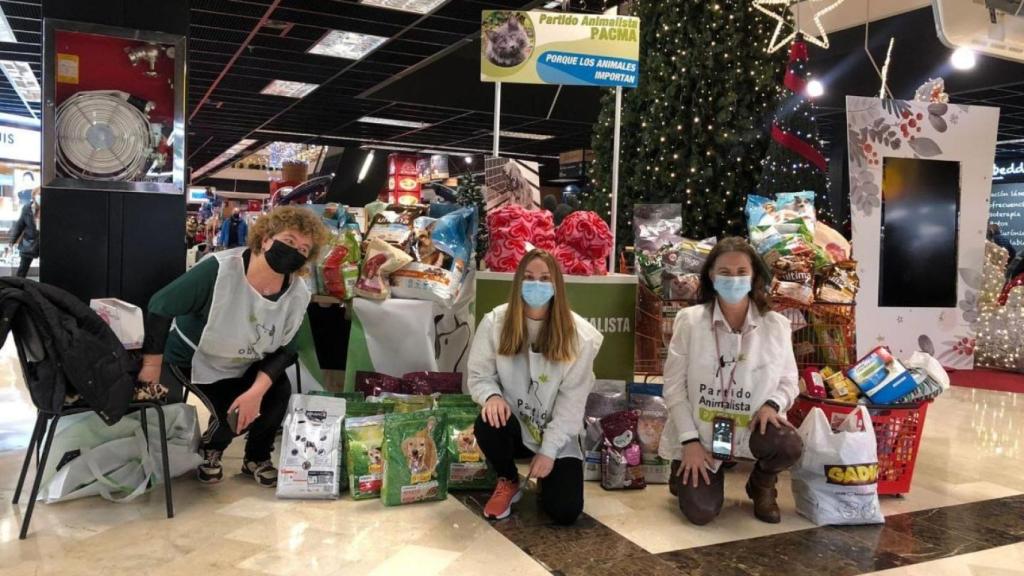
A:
40, 432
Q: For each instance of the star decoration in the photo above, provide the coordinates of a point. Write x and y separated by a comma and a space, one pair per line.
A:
782, 21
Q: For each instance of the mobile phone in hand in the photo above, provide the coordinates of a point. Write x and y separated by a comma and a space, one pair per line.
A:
233, 420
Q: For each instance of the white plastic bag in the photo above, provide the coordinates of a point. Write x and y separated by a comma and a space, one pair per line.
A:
113, 461
311, 448
836, 480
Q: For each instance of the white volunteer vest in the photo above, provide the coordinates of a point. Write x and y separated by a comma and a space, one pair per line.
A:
243, 326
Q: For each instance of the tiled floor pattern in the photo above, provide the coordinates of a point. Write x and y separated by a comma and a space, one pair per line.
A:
971, 467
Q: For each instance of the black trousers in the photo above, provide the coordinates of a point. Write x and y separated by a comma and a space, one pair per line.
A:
218, 397
24, 266
561, 492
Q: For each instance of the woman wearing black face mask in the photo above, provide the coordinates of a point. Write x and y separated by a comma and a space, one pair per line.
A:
225, 330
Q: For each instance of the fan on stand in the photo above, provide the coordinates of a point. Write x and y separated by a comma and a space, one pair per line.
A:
103, 135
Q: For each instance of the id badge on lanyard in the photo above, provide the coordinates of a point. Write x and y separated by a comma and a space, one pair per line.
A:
723, 427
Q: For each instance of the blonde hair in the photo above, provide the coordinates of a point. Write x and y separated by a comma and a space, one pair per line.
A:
557, 340
282, 218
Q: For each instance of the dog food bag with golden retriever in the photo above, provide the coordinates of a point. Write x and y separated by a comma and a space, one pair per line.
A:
469, 470
311, 448
647, 400
415, 458
364, 462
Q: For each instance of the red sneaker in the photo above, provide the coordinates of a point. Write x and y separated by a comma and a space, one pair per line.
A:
505, 495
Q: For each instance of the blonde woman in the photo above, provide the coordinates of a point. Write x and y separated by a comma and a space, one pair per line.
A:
530, 369
225, 330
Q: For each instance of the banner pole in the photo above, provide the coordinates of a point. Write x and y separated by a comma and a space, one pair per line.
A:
497, 117
615, 176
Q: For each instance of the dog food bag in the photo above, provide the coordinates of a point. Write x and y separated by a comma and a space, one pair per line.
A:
354, 409
405, 403
364, 443
374, 383
392, 227
339, 267
468, 469
415, 458
621, 456
647, 400
599, 405
381, 260
431, 382
311, 448
442, 249
455, 400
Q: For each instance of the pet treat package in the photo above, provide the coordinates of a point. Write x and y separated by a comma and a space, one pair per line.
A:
682, 264
839, 387
442, 248
656, 226
311, 448
415, 458
599, 405
468, 469
364, 442
431, 382
382, 259
405, 403
647, 401
338, 269
374, 383
839, 283
835, 246
392, 227
621, 456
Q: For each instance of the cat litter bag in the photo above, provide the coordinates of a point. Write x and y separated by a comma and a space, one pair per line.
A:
836, 480
647, 400
468, 469
415, 458
621, 462
599, 404
311, 448
364, 442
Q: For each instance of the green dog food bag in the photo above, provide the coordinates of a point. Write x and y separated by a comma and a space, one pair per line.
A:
455, 400
364, 440
349, 396
368, 408
469, 470
415, 458
405, 403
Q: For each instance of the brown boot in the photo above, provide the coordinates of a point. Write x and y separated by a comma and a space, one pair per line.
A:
761, 489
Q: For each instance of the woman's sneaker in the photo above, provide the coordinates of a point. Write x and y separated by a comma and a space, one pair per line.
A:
505, 495
263, 472
210, 471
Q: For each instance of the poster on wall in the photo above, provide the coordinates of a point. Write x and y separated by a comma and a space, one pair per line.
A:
1007, 211
508, 181
559, 48
919, 203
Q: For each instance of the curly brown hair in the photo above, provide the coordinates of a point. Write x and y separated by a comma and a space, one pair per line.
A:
282, 218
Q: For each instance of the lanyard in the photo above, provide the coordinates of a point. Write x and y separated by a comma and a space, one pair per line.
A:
721, 363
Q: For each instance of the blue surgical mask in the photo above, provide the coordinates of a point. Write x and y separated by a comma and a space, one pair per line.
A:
732, 289
537, 294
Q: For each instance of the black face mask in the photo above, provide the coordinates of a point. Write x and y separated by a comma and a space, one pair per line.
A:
284, 259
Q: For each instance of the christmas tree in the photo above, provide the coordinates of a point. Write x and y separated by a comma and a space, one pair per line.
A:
470, 193
795, 162
695, 129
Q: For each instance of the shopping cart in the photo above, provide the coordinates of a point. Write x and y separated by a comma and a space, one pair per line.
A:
824, 335
898, 430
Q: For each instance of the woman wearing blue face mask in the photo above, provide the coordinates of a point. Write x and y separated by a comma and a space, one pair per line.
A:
531, 368
730, 376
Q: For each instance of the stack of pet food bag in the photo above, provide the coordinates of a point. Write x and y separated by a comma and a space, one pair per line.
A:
879, 379
622, 432
402, 440
404, 254
666, 263
814, 280
581, 243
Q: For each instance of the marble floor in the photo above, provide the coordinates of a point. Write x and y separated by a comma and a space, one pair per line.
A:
963, 516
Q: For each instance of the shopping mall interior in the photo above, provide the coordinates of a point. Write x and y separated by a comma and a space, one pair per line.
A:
510, 287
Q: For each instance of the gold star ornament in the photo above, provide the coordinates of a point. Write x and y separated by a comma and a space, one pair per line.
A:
781, 17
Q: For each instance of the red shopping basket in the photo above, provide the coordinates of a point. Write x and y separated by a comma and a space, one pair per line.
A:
898, 430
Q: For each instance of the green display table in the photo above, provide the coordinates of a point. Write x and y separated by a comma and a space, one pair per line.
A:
608, 302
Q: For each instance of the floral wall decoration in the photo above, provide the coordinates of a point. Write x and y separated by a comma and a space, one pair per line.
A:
877, 129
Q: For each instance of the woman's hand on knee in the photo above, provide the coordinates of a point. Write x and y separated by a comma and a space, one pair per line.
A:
496, 411
696, 461
541, 467
768, 414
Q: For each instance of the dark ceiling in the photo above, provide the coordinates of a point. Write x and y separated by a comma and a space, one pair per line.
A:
25, 19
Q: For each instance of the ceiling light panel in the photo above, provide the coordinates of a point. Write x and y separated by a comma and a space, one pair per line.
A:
417, 6
288, 88
6, 34
20, 75
350, 45
524, 135
393, 122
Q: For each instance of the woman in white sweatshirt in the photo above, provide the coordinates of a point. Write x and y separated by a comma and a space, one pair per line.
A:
531, 368
730, 362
